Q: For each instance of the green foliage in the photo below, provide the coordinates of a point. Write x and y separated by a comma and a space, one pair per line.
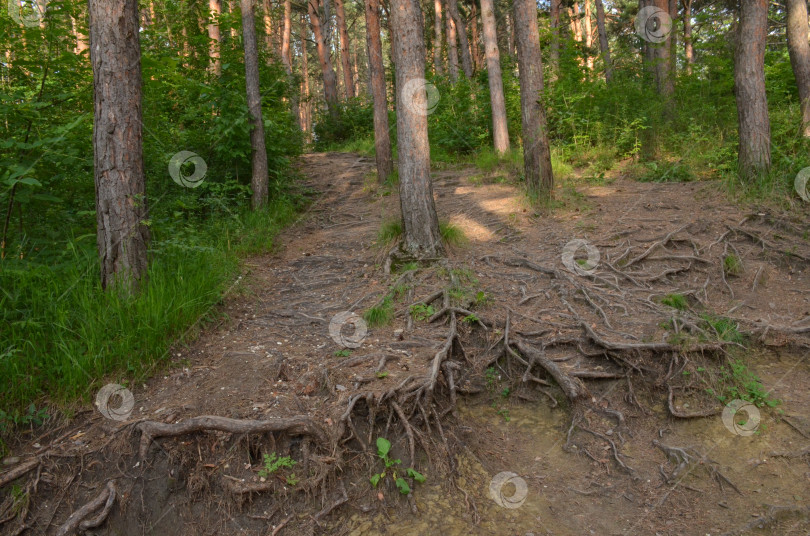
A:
676, 301
272, 463
421, 311
736, 381
354, 120
61, 335
343, 353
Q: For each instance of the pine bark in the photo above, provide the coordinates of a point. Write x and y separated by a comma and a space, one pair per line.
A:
306, 109
452, 47
286, 59
664, 75
214, 37
382, 139
603, 41
588, 35
500, 133
754, 156
799, 50
438, 67
461, 34
554, 14
421, 239
536, 151
687, 35
121, 204
348, 81
258, 181
476, 51
329, 79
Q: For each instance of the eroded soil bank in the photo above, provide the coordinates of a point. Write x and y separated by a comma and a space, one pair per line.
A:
598, 382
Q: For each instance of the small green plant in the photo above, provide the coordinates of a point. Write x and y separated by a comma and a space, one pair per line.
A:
273, 463
292, 480
470, 319
741, 383
343, 353
492, 377
506, 392
383, 448
481, 298
676, 301
381, 314
503, 412
382, 375
421, 311
732, 265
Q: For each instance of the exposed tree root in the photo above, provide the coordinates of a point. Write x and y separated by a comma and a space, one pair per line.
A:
151, 430
775, 513
78, 519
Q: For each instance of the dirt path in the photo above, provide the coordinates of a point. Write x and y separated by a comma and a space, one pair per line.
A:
634, 369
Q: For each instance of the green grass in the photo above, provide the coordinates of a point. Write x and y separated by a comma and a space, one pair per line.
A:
381, 314
389, 231
63, 337
732, 265
676, 301
725, 328
364, 146
452, 234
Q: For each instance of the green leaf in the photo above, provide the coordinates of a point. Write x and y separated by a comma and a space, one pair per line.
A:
403, 486
375, 479
416, 475
383, 447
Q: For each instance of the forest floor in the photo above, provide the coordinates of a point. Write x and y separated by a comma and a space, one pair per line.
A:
597, 384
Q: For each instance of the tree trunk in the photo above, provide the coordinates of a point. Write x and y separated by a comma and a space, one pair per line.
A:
555, 35
420, 222
500, 134
344, 48
267, 18
452, 47
232, 11
258, 181
687, 35
214, 37
588, 35
536, 152
576, 21
749, 84
510, 35
463, 43
799, 50
382, 140
121, 206
329, 79
286, 59
306, 112
603, 41
476, 52
437, 37
673, 41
